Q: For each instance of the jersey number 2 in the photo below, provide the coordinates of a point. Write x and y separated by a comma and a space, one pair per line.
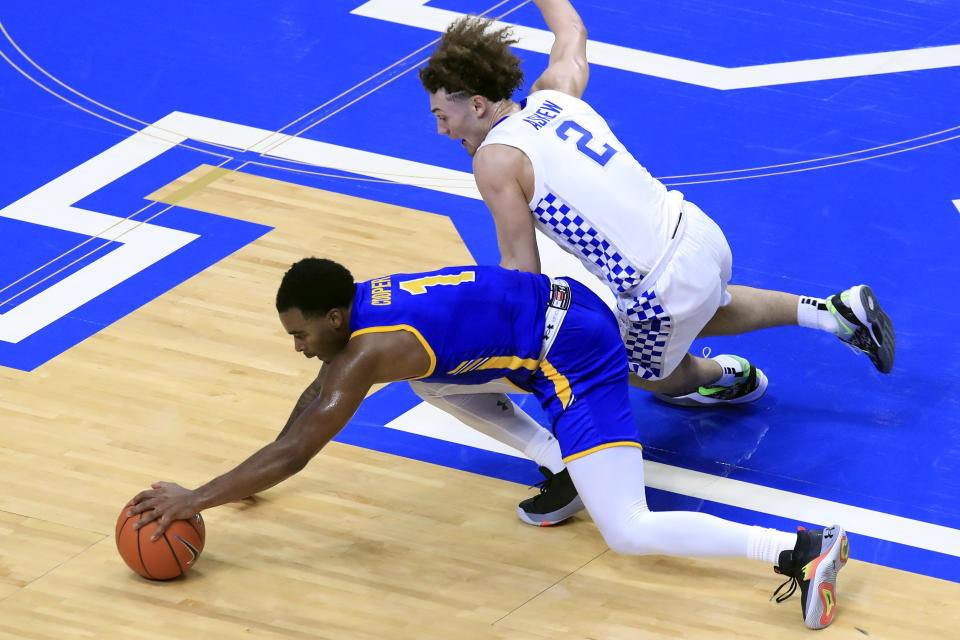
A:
583, 142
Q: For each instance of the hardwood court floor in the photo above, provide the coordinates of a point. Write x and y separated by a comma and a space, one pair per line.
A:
360, 544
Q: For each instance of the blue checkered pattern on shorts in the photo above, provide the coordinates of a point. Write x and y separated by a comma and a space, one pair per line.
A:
564, 223
647, 333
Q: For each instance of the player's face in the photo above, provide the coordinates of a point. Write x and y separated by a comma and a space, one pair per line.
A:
459, 119
320, 336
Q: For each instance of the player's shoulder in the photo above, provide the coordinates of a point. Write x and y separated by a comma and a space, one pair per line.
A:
496, 159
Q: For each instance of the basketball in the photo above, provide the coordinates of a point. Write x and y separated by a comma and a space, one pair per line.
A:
172, 555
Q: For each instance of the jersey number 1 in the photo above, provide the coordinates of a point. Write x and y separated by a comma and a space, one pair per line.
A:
419, 285
583, 142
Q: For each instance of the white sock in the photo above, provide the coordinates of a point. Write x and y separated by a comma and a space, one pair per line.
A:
544, 449
495, 415
766, 544
731, 367
813, 313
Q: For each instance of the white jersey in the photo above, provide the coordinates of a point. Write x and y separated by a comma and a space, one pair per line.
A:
591, 196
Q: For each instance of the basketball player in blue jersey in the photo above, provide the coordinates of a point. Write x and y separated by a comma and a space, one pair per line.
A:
550, 162
470, 325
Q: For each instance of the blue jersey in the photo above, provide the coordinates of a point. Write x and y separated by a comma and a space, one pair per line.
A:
497, 317
482, 323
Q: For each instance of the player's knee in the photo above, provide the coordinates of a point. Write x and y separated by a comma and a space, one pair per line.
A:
629, 536
621, 542
632, 542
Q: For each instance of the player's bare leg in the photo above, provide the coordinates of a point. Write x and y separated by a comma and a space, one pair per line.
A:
751, 309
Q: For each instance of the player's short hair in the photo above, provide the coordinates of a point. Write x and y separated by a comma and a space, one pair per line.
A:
314, 286
474, 59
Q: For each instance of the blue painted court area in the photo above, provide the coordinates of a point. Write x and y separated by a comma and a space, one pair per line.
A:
28, 250
818, 185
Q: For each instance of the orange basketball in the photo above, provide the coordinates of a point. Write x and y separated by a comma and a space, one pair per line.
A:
172, 555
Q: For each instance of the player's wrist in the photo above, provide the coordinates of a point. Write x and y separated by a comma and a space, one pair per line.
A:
204, 497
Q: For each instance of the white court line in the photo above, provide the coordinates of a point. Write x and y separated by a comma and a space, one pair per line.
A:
414, 13
427, 420
50, 206
553, 259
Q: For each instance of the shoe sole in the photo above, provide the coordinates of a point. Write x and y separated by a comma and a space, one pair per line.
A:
549, 519
822, 593
696, 400
869, 313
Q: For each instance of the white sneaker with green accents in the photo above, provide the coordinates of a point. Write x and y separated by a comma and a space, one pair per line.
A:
748, 386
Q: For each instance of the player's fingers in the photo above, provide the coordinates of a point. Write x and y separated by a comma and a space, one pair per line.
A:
143, 495
144, 503
146, 517
162, 525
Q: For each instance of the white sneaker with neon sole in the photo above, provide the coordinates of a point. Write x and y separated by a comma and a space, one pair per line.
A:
749, 386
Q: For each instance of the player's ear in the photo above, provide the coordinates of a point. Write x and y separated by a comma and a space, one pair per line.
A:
335, 318
479, 104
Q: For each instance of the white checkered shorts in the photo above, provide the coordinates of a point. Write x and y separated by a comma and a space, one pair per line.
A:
646, 331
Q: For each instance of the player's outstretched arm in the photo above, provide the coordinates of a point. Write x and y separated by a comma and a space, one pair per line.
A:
309, 395
567, 70
323, 419
366, 360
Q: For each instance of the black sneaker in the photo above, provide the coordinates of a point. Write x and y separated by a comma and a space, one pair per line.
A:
557, 500
864, 326
816, 559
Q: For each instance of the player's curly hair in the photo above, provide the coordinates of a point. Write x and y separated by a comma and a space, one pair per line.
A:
474, 59
314, 286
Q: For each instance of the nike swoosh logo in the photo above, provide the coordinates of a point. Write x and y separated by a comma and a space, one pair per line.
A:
194, 554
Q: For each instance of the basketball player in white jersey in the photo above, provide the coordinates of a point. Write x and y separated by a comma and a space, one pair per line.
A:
550, 162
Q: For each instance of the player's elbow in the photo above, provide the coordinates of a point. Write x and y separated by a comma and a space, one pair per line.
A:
574, 31
297, 462
578, 33
294, 456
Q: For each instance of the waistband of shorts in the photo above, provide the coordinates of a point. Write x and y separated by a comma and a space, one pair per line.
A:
557, 307
657, 270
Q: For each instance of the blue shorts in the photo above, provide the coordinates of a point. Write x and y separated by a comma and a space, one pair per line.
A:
582, 383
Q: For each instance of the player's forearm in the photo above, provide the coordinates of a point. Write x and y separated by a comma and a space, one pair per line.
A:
269, 466
560, 16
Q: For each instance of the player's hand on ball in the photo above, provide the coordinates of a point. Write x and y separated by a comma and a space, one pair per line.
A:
164, 502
